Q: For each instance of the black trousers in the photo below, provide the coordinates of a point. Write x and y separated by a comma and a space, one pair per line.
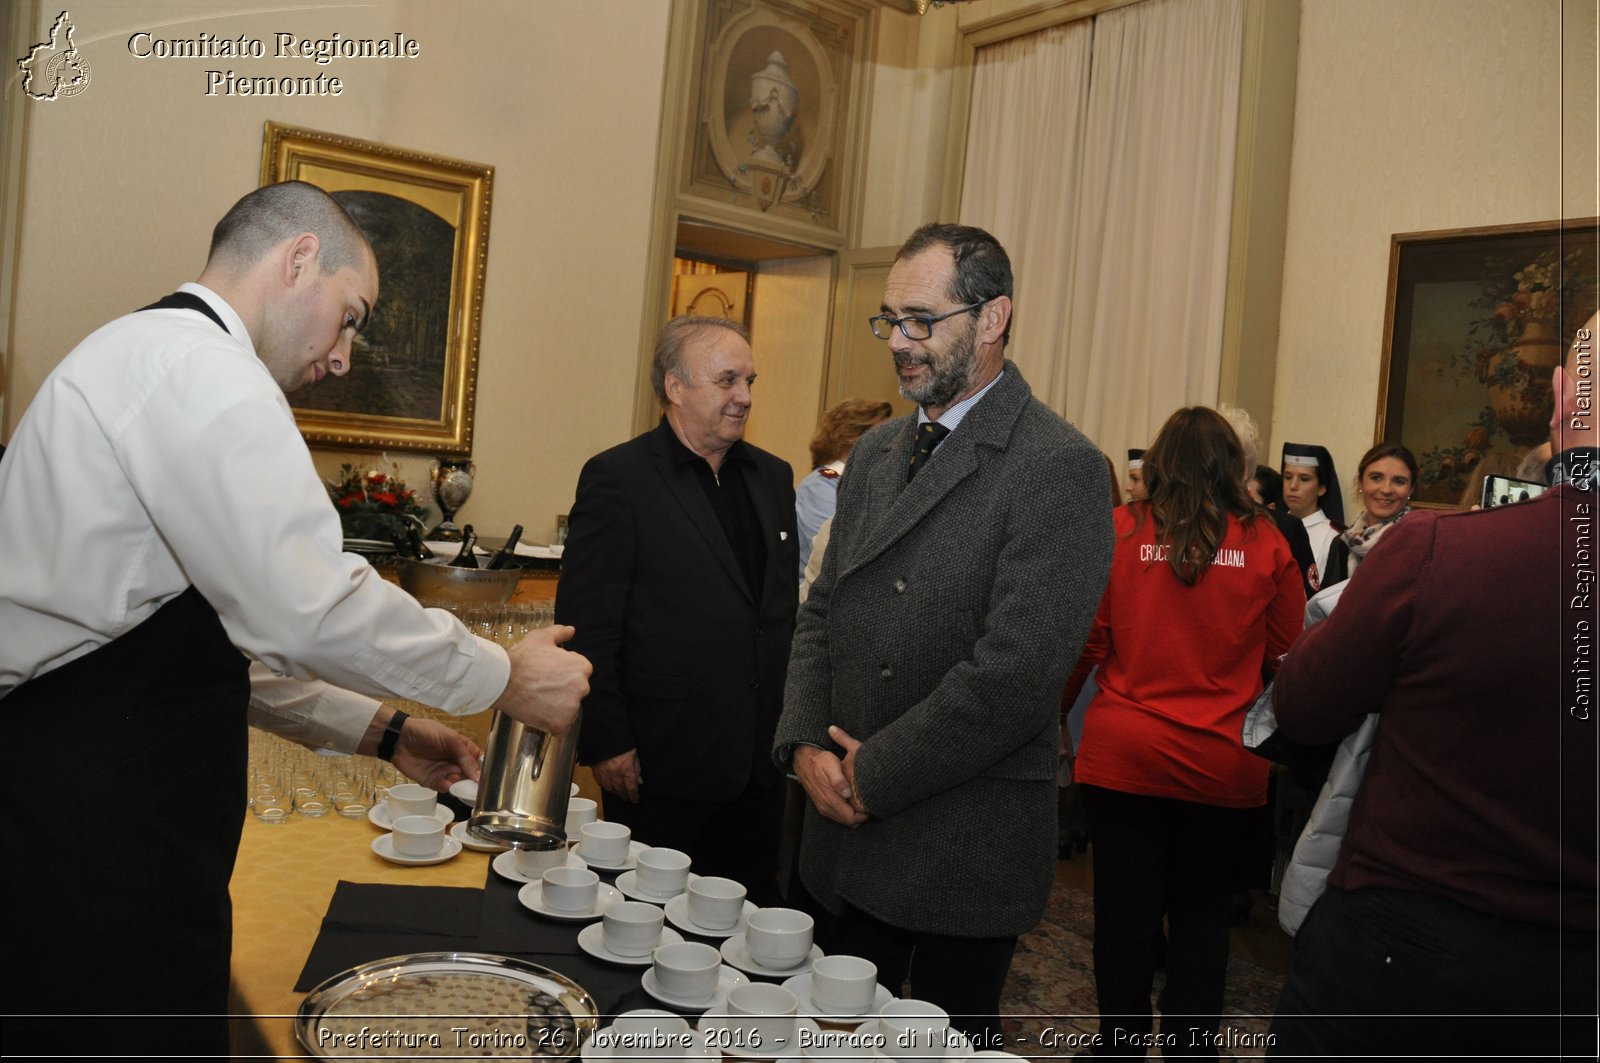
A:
737, 839
1158, 858
964, 976
1383, 972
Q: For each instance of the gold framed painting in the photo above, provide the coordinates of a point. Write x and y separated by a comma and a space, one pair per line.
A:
414, 370
1475, 322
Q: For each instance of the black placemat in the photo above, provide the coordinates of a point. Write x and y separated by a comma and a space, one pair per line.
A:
367, 921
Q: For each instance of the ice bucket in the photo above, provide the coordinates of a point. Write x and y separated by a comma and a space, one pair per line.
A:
438, 582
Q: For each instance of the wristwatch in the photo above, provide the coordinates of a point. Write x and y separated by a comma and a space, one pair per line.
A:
391, 735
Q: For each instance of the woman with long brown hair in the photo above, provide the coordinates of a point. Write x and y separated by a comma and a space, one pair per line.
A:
1385, 480
1204, 597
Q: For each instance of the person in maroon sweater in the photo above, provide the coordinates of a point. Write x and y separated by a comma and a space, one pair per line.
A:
1459, 918
1204, 595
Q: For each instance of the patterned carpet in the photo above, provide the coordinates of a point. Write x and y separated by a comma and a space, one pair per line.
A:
1049, 1003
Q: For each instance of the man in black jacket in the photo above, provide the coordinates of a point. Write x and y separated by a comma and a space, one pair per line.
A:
679, 570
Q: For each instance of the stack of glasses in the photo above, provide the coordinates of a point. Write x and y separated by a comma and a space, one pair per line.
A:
286, 778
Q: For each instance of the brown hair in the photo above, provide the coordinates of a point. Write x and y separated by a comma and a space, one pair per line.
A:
1388, 450
1191, 472
842, 425
265, 218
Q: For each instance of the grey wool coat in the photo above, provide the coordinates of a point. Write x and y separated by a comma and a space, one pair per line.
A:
949, 611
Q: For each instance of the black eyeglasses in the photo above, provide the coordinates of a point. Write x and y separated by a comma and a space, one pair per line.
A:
915, 326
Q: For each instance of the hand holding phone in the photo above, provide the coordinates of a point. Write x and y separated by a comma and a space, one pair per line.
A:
1505, 490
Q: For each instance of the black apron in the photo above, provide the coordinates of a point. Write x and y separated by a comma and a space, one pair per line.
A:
120, 834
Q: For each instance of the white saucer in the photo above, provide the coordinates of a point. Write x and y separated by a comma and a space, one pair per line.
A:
677, 911
599, 1047
459, 832
634, 849
959, 1047
628, 883
383, 845
465, 791
736, 951
378, 816
800, 986
721, 1028
531, 897
727, 978
505, 865
592, 939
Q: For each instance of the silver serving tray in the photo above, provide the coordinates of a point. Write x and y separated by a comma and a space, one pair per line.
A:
408, 1007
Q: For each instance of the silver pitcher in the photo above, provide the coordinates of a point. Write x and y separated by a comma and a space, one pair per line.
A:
523, 791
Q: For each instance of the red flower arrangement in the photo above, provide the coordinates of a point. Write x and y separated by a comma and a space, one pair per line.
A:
374, 505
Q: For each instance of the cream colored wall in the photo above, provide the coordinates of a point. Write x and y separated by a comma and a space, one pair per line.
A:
1414, 115
1410, 115
123, 182
909, 120
791, 342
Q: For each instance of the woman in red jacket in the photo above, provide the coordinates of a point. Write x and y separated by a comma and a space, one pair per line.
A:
1203, 600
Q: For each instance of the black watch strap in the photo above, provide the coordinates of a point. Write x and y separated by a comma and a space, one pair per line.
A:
391, 735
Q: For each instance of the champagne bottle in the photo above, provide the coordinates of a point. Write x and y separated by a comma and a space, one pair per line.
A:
504, 557
465, 558
412, 545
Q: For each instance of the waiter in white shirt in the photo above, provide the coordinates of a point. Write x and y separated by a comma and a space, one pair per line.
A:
162, 521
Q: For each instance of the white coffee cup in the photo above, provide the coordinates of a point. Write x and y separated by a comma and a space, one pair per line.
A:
417, 836
843, 985
779, 939
715, 903
764, 1013
662, 872
410, 799
580, 812
533, 863
649, 1033
570, 889
632, 928
913, 1029
687, 971
605, 843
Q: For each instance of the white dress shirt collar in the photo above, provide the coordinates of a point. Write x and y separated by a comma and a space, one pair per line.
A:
952, 416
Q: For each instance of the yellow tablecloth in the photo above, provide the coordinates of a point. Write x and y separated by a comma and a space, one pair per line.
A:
282, 883
281, 886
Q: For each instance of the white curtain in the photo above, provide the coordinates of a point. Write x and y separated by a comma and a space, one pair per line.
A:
1114, 200
1024, 148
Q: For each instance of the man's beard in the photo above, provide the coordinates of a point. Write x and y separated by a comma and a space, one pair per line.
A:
947, 376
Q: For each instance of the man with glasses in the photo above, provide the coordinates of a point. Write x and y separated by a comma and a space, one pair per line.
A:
969, 552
